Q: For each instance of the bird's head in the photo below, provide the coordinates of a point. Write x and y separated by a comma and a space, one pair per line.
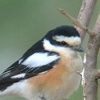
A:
63, 37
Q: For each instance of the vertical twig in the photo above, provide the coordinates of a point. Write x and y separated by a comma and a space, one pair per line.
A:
90, 84
85, 14
90, 73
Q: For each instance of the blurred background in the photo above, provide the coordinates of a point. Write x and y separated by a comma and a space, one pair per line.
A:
23, 22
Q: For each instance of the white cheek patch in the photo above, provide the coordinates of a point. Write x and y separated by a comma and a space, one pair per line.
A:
47, 45
70, 40
39, 59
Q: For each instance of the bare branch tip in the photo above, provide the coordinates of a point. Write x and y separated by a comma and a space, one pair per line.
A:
98, 74
79, 73
61, 11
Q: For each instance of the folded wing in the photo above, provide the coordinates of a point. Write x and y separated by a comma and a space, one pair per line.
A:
31, 66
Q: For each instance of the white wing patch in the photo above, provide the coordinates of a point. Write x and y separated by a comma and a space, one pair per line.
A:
39, 59
19, 76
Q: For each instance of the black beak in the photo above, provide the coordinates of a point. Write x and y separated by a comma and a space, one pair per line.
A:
78, 48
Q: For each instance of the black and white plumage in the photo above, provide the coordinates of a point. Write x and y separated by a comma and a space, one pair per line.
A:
24, 68
41, 58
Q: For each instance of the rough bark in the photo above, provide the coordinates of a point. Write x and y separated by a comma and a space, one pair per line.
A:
91, 85
85, 14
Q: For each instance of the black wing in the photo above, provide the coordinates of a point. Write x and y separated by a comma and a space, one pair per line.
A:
27, 67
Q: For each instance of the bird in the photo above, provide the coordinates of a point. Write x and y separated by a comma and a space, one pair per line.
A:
47, 70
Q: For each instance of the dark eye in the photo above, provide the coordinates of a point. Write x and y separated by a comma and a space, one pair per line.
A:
64, 43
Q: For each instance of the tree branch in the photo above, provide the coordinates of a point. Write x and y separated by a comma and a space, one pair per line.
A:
85, 14
90, 72
76, 22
